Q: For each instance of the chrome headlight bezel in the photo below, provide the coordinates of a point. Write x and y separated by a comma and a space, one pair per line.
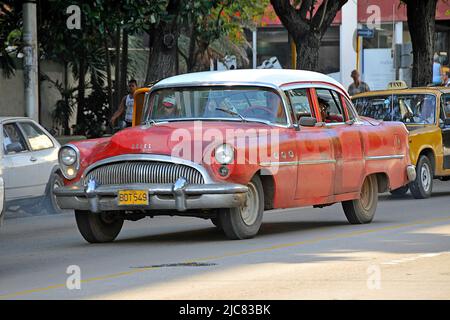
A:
69, 171
224, 154
67, 156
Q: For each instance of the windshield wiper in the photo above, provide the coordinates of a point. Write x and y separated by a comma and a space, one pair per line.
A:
150, 122
234, 113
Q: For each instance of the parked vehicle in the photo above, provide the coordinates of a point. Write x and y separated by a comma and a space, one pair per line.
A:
28, 163
2, 199
426, 114
293, 139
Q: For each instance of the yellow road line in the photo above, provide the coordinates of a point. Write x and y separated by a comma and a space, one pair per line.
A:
234, 254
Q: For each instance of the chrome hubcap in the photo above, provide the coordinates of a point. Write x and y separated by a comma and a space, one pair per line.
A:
56, 184
249, 212
366, 195
425, 177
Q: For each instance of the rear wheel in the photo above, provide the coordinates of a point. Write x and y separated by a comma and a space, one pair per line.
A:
400, 192
99, 227
362, 210
422, 187
244, 222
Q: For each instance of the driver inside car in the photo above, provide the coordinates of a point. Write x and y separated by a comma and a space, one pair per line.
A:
324, 108
168, 108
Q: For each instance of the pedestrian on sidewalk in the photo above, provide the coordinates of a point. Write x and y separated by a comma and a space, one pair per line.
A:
445, 79
357, 86
126, 105
437, 71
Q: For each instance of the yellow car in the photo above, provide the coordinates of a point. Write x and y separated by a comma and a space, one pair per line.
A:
426, 114
138, 106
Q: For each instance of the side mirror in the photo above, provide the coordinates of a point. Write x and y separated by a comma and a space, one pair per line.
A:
307, 121
14, 147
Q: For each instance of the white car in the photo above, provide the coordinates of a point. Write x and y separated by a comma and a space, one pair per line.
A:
28, 164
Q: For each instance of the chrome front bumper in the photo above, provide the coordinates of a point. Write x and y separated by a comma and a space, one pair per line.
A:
179, 196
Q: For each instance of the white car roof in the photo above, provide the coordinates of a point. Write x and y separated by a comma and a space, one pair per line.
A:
272, 77
3, 119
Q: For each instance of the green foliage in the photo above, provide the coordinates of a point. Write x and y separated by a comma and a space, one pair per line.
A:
10, 34
213, 22
95, 114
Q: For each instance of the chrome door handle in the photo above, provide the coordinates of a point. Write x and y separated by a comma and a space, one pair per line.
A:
33, 159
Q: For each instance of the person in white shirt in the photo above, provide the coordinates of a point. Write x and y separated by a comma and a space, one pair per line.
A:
437, 72
126, 105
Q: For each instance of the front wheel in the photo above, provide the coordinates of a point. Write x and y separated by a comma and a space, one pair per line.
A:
362, 210
244, 222
99, 227
422, 187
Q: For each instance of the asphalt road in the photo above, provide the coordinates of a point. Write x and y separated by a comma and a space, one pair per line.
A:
299, 254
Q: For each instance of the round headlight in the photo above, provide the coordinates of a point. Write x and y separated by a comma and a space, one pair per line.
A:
224, 154
68, 156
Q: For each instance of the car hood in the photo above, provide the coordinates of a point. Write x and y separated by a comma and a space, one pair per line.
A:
167, 138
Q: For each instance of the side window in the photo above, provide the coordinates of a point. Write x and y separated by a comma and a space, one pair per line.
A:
414, 108
352, 114
300, 103
330, 106
446, 104
13, 141
37, 139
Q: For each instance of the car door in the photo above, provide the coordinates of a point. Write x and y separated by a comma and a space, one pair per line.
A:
344, 130
316, 164
445, 111
18, 169
43, 154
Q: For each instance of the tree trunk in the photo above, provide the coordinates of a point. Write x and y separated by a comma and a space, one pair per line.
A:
81, 88
124, 64
421, 23
191, 53
66, 99
108, 74
307, 22
117, 97
162, 57
308, 52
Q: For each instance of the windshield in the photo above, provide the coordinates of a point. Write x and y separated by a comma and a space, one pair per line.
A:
237, 103
407, 108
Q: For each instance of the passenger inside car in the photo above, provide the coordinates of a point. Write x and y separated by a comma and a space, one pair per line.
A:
427, 111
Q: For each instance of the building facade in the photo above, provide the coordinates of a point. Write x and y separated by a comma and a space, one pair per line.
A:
381, 57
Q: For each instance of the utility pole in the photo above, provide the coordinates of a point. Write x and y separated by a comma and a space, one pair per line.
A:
30, 61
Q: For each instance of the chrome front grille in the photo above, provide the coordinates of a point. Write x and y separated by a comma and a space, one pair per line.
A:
143, 172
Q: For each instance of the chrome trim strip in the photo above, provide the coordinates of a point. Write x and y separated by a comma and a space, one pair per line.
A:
150, 157
389, 157
296, 163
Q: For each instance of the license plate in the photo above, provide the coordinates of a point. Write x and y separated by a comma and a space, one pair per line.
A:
133, 197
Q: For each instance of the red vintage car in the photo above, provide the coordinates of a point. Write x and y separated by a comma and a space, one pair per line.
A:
228, 145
